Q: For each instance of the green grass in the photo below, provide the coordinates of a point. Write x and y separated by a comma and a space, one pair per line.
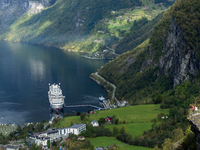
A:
105, 141
135, 114
134, 129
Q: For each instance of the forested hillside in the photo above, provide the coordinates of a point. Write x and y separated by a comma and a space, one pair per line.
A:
85, 26
163, 69
64, 20
170, 57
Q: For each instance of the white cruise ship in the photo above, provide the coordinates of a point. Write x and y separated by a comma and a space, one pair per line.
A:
56, 99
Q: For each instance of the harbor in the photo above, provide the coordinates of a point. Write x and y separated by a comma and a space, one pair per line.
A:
56, 100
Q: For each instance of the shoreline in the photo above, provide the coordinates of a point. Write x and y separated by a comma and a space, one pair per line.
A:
107, 85
81, 52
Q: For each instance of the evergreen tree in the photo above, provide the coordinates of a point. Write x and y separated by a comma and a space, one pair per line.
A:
115, 131
123, 130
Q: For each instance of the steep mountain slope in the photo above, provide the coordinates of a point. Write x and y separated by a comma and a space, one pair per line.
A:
137, 36
164, 69
169, 58
63, 21
11, 10
79, 25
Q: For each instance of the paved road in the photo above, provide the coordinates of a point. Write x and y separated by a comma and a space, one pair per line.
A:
113, 96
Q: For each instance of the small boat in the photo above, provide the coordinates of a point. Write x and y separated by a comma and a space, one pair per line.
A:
101, 99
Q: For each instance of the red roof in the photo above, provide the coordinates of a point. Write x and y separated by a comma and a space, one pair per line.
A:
67, 139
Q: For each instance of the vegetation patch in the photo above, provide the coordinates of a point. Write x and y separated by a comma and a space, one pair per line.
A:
135, 114
134, 129
106, 141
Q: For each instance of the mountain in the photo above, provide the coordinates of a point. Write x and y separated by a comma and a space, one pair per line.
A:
78, 25
170, 57
164, 69
11, 10
63, 21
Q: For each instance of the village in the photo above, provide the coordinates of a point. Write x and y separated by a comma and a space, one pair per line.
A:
117, 27
51, 135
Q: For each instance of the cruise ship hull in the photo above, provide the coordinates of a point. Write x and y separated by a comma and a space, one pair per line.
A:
56, 99
56, 106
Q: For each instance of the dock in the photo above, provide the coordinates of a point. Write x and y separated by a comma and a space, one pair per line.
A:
76, 106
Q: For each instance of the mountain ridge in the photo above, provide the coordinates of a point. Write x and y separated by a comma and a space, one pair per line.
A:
76, 25
167, 63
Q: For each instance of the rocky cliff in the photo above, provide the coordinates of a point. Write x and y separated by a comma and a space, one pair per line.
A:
169, 58
179, 59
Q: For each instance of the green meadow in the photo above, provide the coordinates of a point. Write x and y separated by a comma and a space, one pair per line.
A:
105, 141
131, 114
137, 120
134, 129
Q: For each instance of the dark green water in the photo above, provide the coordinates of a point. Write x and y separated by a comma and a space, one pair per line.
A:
25, 72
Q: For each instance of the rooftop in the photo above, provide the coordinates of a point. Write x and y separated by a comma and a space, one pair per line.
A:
94, 121
48, 132
77, 125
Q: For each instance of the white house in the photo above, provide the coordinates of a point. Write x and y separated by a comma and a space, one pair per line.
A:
95, 123
77, 128
42, 140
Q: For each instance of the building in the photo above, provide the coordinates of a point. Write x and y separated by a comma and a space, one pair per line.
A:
11, 147
54, 134
43, 137
108, 118
75, 129
78, 128
80, 138
99, 148
95, 123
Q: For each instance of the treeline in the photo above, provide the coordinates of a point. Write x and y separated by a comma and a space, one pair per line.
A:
178, 100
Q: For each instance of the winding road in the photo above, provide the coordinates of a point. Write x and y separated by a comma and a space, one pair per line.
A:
113, 96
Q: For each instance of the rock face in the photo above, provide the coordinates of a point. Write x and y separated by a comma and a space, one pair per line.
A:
11, 10
179, 59
36, 6
193, 120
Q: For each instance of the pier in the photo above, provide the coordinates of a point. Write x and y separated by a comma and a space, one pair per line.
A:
76, 106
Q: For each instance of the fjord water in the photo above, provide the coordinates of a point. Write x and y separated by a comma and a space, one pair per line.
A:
25, 72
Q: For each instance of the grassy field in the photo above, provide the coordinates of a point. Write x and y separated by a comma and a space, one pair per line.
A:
131, 114
120, 22
138, 119
134, 129
105, 141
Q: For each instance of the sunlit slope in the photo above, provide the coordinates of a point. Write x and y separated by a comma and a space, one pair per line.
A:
64, 21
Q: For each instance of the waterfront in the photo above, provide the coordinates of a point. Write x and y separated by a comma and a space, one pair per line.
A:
25, 72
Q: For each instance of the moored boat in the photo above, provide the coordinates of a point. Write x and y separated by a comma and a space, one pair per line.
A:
56, 98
